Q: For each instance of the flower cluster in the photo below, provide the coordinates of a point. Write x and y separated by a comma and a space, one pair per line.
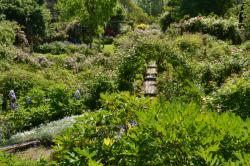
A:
77, 94
12, 97
124, 128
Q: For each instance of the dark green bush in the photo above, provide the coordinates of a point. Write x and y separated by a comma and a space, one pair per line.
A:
166, 19
57, 48
100, 84
30, 14
246, 20
162, 134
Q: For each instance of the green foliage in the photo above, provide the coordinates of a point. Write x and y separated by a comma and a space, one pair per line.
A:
98, 125
203, 7
135, 13
246, 15
189, 43
151, 7
100, 84
57, 48
165, 20
159, 134
224, 29
47, 105
233, 96
7, 35
92, 14
11, 160
28, 13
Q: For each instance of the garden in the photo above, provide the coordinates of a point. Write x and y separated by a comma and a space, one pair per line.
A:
72, 78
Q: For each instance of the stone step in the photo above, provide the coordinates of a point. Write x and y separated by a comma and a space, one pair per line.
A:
152, 64
150, 88
151, 71
150, 78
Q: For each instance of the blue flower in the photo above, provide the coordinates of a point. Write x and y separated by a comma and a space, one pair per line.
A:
29, 100
12, 95
119, 136
12, 105
133, 123
122, 128
77, 94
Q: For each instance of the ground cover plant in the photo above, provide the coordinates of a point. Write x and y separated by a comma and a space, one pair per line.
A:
152, 133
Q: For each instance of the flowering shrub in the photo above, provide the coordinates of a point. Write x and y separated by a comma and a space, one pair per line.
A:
221, 28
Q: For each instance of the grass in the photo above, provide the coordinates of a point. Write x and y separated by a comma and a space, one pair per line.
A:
35, 153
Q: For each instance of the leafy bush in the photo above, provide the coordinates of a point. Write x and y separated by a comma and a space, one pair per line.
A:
34, 16
246, 45
203, 7
189, 43
142, 26
246, 19
7, 35
161, 134
58, 48
100, 84
221, 28
166, 19
233, 96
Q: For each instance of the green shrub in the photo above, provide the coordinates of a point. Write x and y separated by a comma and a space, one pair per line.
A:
245, 45
163, 134
7, 35
21, 82
225, 29
58, 48
189, 43
166, 19
246, 19
233, 96
100, 84
30, 14
63, 103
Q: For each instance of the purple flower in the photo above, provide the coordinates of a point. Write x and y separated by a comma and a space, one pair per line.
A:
77, 94
12, 95
122, 129
29, 100
133, 123
119, 136
12, 105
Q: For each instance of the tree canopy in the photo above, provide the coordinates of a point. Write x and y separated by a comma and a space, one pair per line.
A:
92, 14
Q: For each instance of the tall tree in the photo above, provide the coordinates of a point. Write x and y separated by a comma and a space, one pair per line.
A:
31, 14
92, 14
152, 7
246, 17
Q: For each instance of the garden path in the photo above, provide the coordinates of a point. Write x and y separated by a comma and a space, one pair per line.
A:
149, 84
